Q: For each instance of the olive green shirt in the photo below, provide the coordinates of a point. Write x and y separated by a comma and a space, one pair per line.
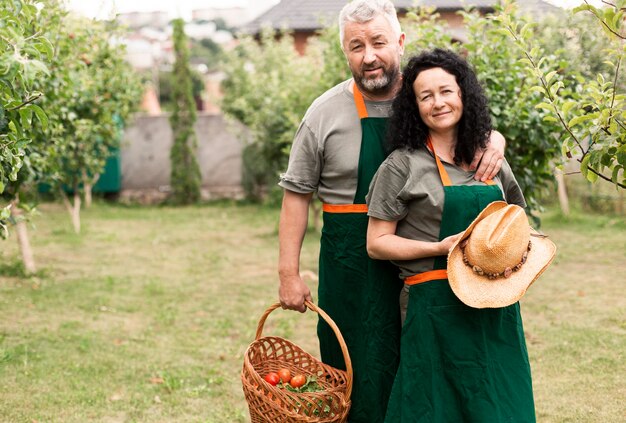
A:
407, 188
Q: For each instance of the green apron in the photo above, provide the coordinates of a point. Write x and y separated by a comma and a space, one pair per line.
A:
360, 294
458, 363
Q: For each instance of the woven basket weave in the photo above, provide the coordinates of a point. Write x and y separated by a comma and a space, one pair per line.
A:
271, 404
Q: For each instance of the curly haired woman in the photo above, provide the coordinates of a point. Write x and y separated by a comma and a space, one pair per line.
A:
458, 363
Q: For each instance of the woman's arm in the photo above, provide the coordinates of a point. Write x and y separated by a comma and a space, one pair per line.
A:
384, 244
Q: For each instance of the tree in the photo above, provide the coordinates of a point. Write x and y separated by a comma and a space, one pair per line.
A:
268, 87
591, 110
166, 81
206, 51
334, 68
185, 175
24, 56
93, 90
85, 87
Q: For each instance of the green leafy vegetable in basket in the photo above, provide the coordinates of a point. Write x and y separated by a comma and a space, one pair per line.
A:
310, 385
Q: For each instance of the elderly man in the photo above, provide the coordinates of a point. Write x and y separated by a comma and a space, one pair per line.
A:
336, 151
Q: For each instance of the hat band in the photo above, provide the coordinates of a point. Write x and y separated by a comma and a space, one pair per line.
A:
506, 273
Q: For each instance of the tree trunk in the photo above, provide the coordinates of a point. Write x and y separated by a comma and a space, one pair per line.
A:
88, 184
21, 230
73, 209
88, 199
562, 191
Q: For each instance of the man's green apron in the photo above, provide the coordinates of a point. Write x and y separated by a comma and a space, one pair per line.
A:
458, 363
360, 294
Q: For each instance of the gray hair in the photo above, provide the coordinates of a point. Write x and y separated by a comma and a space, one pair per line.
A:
362, 11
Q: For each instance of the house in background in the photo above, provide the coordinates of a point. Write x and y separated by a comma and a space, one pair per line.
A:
303, 18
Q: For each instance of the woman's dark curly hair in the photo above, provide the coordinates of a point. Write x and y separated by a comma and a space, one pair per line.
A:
406, 128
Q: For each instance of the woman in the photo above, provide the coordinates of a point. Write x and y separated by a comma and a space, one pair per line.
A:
458, 364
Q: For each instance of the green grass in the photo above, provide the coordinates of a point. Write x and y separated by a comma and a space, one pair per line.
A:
145, 316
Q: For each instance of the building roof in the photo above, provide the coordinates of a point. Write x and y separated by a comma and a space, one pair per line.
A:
303, 15
453, 4
311, 15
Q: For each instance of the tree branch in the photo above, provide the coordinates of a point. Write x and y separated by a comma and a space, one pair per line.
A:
617, 34
613, 5
606, 178
30, 100
546, 87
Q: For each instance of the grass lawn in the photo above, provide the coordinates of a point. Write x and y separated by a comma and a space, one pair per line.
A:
145, 316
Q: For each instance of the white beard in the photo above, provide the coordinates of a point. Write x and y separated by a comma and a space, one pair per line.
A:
375, 85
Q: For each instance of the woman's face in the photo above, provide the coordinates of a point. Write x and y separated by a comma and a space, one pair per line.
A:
438, 98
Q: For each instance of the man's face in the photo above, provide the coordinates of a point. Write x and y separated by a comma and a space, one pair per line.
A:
373, 51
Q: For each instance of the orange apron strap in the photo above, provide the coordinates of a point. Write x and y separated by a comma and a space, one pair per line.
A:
360, 103
344, 208
445, 179
431, 275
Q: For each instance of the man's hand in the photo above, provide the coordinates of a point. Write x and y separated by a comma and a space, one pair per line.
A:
293, 292
490, 159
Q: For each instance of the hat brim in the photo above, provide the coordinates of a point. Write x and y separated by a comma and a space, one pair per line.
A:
481, 292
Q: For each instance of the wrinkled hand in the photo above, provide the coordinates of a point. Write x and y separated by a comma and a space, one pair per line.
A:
447, 243
489, 161
293, 292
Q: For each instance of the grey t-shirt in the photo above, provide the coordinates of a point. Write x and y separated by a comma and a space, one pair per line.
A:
407, 188
325, 152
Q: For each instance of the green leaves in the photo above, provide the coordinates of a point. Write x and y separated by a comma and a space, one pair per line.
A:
611, 18
22, 64
41, 115
64, 89
583, 89
268, 88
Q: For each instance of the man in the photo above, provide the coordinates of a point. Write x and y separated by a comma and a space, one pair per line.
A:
336, 151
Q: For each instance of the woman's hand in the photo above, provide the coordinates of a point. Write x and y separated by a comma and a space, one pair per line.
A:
489, 161
447, 243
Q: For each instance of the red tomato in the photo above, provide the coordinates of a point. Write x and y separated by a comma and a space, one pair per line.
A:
285, 375
272, 378
297, 381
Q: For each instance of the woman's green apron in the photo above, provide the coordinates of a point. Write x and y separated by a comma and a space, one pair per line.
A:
460, 364
360, 294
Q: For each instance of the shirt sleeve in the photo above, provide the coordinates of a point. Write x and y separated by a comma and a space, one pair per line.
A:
305, 163
512, 192
384, 196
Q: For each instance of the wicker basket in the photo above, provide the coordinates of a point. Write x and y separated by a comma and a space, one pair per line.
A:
271, 404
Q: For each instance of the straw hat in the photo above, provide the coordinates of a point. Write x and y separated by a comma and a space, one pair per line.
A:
498, 257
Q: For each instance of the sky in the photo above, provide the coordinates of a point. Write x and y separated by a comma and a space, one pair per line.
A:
175, 8
182, 8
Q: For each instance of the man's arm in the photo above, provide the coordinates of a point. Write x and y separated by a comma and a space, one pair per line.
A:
294, 218
489, 161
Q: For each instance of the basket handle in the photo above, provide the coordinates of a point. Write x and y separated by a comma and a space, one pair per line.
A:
331, 323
